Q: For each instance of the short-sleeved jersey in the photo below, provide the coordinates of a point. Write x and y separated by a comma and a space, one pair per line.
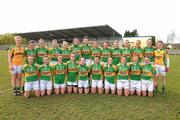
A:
86, 51
54, 53
30, 73
59, 73
76, 49
82, 72
116, 54
123, 71
96, 52
65, 55
148, 72
149, 52
161, 57
105, 54
40, 53
135, 70
96, 71
72, 71
45, 72
110, 73
17, 55
127, 52
139, 52
28, 52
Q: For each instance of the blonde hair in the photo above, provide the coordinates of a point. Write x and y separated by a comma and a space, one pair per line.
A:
15, 37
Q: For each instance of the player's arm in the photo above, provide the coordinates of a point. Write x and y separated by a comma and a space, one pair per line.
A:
10, 54
167, 61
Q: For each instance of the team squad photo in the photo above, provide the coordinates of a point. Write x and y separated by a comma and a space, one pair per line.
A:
87, 67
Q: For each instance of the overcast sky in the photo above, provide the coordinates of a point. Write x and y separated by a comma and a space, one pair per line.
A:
149, 17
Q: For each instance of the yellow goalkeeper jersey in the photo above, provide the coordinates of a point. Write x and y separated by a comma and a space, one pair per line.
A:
161, 57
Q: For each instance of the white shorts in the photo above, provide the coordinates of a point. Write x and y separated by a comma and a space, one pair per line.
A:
53, 63
88, 62
28, 86
59, 85
135, 85
83, 83
16, 69
160, 70
97, 83
72, 83
109, 85
45, 85
147, 85
122, 84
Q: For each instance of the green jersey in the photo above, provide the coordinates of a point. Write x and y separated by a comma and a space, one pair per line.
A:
30, 73
96, 52
76, 49
40, 53
116, 54
105, 54
66, 55
135, 69
83, 72
148, 72
28, 53
123, 71
127, 53
59, 73
149, 52
72, 71
45, 72
110, 73
86, 51
96, 71
139, 52
54, 53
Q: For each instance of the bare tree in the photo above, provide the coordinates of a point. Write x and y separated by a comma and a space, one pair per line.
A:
171, 38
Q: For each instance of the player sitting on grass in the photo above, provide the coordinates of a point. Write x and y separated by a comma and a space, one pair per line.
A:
30, 77
59, 76
83, 82
123, 77
135, 77
96, 71
110, 75
147, 75
162, 65
45, 72
72, 74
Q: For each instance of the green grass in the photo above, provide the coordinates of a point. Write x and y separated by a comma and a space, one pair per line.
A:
90, 107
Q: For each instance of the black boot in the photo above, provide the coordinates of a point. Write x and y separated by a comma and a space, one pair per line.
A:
163, 91
15, 92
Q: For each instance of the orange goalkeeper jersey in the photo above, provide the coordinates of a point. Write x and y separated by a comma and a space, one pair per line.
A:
17, 55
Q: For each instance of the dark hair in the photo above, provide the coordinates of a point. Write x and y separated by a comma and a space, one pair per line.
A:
31, 41
160, 41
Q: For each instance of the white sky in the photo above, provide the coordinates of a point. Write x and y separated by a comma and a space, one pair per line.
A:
149, 17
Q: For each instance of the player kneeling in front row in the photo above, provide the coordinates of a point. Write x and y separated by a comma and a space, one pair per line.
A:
148, 72
123, 77
59, 76
135, 82
96, 71
83, 82
72, 74
110, 75
46, 73
30, 76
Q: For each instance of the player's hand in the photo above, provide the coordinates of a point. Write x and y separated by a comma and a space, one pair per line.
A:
167, 69
11, 67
